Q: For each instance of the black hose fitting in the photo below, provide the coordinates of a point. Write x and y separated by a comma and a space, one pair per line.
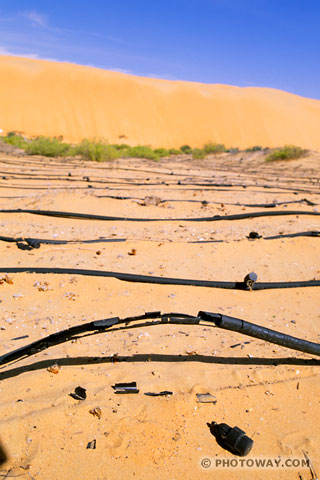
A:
232, 439
250, 280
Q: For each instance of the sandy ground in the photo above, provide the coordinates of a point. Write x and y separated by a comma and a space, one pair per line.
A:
270, 392
39, 97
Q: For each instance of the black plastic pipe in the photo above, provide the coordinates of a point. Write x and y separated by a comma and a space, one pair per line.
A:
256, 331
131, 277
214, 319
215, 218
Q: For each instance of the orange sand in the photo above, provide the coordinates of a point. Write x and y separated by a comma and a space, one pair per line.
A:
269, 391
46, 98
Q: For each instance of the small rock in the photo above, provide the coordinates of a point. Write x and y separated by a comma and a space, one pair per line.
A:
151, 200
17, 295
54, 369
96, 412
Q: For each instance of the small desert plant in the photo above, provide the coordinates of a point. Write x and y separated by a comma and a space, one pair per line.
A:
96, 150
214, 148
48, 147
120, 146
173, 151
198, 153
186, 149
287, 152
255, 148
162, 152
141, 151
15, 139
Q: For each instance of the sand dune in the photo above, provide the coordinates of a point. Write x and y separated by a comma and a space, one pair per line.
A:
48, 98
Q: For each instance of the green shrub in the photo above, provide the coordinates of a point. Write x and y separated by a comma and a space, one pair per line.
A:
287, 152
162, 152
14, 139
174, 151
186, 149
255, 148
48, 147
214, 148
120, 146
96, 150
198, 153
141, 151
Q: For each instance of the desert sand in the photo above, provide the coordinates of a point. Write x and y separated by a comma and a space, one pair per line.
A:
46, 98
269, 391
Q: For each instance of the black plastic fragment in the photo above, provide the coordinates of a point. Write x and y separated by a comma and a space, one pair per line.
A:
160, 394
239, 344
253, 235
123, 388
92, 445
232, 439
33, 243
206, 398
79, 394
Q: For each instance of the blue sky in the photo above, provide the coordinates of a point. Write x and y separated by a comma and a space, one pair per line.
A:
270, 43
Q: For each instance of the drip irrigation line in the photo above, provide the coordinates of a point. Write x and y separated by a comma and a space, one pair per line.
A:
131, 277
28, 243
179, 184
37, 242
68, 187
215, 218
203, 318
66, 174
205, 202
312, 233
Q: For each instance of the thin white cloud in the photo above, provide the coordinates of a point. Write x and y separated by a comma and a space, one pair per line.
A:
36, 18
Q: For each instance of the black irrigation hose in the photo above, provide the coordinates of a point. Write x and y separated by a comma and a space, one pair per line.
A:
29, 243
131, 277
312, 233
205, 202
215, 218
37, 242
211, 319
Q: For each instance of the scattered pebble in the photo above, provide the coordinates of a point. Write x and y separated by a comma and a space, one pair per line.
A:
6, 279
54, 369
96, 412
17, 295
